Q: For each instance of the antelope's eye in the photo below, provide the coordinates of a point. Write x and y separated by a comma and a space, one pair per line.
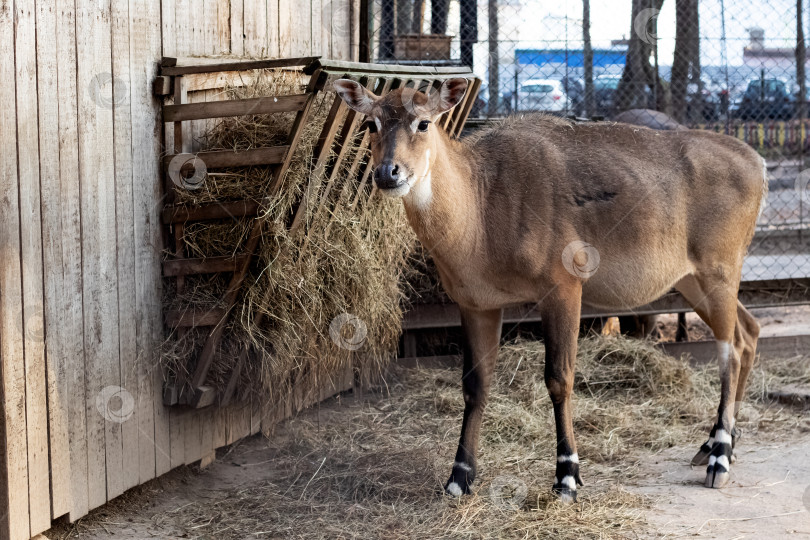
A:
370, 125
423, 125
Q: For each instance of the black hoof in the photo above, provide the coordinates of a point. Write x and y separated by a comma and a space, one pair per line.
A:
566, 488
461, 479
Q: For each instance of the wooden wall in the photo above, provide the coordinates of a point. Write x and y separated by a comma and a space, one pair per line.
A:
80, 241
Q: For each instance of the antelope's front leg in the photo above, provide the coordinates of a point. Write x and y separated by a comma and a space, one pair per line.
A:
560, 315
482, 334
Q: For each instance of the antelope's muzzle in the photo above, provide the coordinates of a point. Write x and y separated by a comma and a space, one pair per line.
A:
389, 176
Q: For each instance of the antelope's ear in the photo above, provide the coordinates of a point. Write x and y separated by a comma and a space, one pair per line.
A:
355, 95
450, 94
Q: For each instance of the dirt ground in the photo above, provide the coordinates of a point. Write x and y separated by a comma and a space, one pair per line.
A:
372, 467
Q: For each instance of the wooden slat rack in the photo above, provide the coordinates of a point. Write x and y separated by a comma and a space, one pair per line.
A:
341, 125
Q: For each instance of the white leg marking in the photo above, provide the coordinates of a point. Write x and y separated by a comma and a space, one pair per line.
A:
722, 436
723, 462
569, 482
573, 458
378, 124
712, 460
454, 489
723, 352
461, 465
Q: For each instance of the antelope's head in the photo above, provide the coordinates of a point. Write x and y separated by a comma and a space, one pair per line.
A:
403, 134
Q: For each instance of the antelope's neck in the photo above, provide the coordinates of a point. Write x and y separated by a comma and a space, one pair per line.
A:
443, 208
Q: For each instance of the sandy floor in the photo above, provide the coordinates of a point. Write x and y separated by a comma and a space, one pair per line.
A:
768, 496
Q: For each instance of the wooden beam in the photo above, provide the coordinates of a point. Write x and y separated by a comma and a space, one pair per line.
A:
190, 318
239, 65
766, 293
211, 265
271, 155
234, 210
237, 107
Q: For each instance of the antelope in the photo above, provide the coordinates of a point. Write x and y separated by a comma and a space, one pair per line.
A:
543, 210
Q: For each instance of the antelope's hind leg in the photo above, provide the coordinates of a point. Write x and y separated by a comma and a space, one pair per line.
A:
736, 332
482, 335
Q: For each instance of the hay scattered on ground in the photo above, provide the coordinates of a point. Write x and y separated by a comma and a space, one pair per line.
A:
346, 258
375, 468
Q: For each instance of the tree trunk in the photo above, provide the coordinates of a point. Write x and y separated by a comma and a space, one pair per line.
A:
639, 77
686, 61
801, 58
587, 58
439, 10
494, 75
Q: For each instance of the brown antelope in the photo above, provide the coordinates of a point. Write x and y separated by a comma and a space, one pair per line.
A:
540, 209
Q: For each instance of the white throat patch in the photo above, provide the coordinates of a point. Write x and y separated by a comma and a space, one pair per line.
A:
421, 191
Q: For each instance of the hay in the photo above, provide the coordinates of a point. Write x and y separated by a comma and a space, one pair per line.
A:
376, 470
300, 282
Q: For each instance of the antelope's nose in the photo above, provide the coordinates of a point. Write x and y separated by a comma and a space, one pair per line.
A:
387, 175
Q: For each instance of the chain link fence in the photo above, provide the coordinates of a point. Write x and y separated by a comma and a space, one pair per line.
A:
732, 67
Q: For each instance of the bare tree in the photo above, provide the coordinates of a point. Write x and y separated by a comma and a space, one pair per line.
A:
639, 77
801, 58
494, 64
587, 59
686, 61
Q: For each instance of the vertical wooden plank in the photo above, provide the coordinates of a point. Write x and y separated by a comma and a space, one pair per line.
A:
220, 421
316, 31
196, 21
73, 313
55, 304
153, 421
168, 29
36, 408
183, 27
272, 37
127, 349
177, 431
326, 26
193, 436
286, 27
100, 284
207, 420
237, 27
340, 45
14, 517
223, 27
255, 27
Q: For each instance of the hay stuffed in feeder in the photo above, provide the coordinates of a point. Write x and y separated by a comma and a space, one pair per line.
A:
329, 292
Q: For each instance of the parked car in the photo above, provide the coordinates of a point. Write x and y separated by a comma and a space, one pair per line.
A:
480, 108
764, 99
604, 89
703, 101
542, 95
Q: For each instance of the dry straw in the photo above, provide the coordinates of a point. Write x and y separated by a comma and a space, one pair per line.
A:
375, 470
351, 261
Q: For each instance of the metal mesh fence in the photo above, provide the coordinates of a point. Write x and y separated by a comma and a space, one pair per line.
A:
732, 67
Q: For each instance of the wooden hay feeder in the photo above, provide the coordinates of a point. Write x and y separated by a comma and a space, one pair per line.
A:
180, 164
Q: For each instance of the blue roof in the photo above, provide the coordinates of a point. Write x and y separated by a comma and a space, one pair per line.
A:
573, 58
